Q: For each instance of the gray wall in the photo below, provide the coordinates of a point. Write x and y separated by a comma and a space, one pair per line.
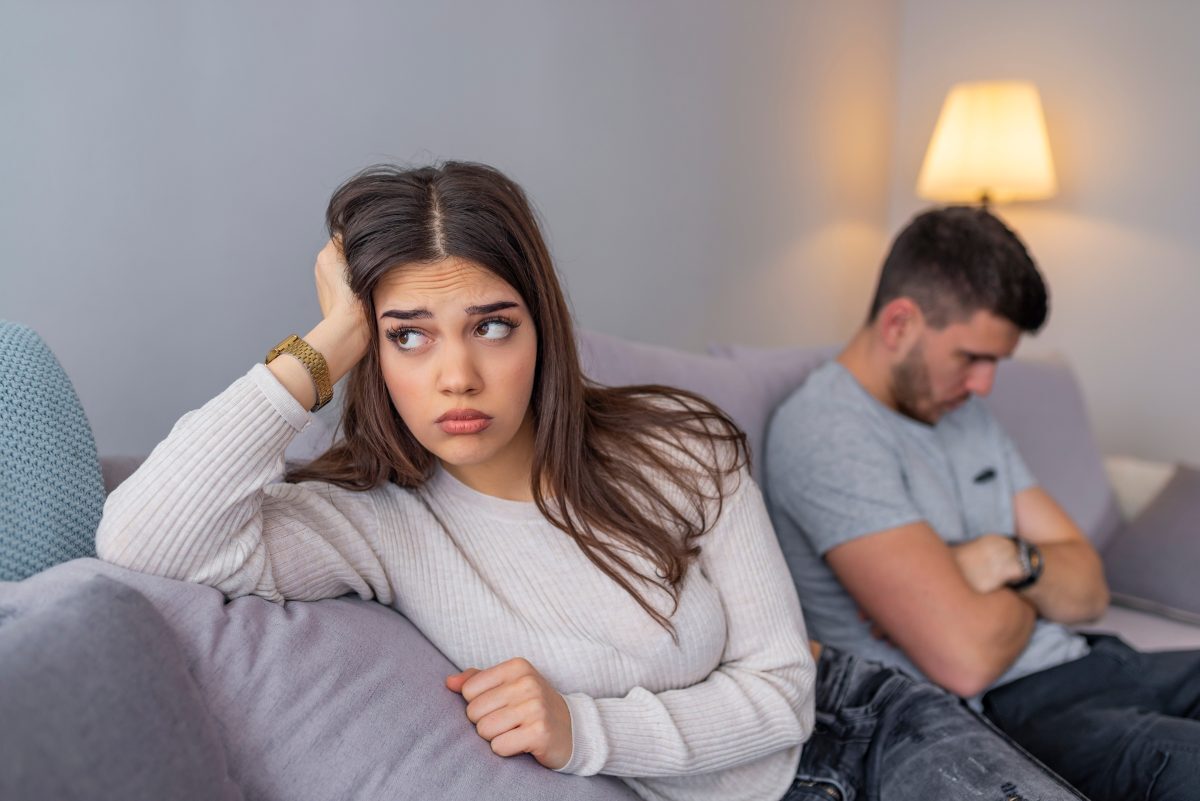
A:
1120, 244
701, 167
707, 171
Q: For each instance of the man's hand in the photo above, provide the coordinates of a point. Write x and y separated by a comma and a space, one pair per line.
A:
988, 562
515, 709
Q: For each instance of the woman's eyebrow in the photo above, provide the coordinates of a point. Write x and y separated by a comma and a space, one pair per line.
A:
408, 314
490, 308
425, 314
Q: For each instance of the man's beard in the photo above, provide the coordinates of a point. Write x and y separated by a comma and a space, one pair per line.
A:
911, 387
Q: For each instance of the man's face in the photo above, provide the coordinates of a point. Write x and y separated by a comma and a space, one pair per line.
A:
943, 368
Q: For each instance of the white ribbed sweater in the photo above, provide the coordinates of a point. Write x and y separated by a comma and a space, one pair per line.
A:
721, 715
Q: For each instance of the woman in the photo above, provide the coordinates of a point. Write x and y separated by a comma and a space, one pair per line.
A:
597, 560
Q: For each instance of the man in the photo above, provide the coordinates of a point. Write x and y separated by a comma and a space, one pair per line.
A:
917, 536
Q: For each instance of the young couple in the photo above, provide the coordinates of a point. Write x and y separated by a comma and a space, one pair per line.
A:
596, 560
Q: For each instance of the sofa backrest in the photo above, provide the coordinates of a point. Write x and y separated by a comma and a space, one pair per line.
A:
1038, 403
741, 387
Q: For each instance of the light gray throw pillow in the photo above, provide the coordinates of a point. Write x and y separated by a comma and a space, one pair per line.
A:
1151, 563
96, 700
341, 698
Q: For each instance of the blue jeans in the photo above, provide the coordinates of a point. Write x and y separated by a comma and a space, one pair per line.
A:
1119, 724
883, 736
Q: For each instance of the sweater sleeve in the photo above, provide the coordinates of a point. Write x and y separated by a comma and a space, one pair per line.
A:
757, 701
209, 505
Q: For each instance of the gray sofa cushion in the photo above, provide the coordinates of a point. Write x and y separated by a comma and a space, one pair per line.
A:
616, 362
341, 698
1040, 405
1151, 563
52, 490
775, 373
96, 700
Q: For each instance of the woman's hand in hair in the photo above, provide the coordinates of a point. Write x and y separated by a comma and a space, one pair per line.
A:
515, 709
342, 336
333, 287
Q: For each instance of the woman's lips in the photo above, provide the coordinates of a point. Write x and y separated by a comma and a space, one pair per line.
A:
463, 421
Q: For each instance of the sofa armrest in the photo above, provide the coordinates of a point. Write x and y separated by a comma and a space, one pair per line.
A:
1136, 482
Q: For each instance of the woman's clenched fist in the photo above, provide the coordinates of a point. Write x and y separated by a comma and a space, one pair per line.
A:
515, 709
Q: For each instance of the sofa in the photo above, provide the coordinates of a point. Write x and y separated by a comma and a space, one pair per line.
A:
115, 684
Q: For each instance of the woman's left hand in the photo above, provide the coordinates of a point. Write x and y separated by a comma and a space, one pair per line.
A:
515, 709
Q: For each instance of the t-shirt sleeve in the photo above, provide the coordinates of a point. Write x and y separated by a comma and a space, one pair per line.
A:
836, 474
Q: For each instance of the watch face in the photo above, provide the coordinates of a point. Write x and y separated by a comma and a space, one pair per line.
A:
1035, 561
1031, 563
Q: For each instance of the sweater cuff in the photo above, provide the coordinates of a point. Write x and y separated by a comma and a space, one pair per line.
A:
589, 743
288, 407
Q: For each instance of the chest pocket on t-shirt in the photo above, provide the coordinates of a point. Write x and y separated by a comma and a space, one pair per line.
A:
986, 494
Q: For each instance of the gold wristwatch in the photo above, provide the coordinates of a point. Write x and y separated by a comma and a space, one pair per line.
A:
314, 362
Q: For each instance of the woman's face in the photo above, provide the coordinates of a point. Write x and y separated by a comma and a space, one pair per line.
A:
458, 352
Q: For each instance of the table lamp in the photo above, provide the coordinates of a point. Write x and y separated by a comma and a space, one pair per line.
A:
989, 145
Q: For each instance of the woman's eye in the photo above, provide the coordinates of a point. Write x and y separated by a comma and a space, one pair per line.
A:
407, 338
494, 329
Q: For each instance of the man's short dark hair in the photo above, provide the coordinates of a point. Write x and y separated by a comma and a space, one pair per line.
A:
958, 260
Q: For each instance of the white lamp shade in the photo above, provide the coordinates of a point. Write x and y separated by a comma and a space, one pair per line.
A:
990, 142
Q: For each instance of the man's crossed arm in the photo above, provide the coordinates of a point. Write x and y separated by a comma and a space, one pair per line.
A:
949, 609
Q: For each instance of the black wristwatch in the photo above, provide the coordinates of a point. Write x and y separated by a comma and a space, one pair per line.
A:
1031, 560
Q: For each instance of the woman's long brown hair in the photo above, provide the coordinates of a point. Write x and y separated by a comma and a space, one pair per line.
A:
641, 468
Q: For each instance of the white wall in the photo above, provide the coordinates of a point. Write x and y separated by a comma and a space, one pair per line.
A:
706, 170
815, 96
1120, 245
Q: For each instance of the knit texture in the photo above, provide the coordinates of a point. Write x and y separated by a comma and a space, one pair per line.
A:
718, 714
53, 491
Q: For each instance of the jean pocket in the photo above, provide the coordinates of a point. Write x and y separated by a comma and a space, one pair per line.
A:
872, 698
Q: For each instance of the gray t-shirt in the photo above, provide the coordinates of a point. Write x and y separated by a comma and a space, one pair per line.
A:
841, 465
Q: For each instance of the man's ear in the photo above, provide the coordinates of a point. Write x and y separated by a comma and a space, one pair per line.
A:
899, 324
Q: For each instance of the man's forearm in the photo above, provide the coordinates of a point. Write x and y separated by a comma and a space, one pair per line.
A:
978, 643
1071, 588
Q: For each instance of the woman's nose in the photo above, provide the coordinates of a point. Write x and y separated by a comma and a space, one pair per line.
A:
458, 373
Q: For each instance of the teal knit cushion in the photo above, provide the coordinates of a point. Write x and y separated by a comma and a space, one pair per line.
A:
52, 489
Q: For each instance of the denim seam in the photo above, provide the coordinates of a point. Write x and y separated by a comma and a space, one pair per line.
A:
1162, 765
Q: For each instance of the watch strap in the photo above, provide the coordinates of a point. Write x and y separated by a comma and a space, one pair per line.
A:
313, 361
1030, 557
